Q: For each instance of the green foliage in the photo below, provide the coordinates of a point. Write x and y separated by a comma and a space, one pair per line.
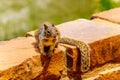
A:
18, 16
107, 4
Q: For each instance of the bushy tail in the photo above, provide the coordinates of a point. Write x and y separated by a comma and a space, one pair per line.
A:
84, 52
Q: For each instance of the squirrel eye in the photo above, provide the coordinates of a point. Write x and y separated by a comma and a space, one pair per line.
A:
53, 25
53, 40
48, 32
45, 40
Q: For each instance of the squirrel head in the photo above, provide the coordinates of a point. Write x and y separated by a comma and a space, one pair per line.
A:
50, 29
48, 24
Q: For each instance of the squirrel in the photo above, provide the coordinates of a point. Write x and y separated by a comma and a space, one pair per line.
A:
48, 37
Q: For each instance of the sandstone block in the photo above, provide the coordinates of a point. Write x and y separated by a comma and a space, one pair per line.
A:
103, 39
112, 15
17, 54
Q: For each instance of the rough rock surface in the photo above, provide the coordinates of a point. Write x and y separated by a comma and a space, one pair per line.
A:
21, 60
110, 15
102, 38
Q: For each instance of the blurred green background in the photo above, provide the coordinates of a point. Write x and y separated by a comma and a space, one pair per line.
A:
20, 16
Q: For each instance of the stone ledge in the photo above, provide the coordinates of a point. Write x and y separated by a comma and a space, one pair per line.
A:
112, 15
27, 70
15, 51
101, 35
102, 48
104, 39
109, 71
23, 61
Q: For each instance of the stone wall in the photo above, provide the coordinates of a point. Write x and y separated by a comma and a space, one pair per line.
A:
20, 59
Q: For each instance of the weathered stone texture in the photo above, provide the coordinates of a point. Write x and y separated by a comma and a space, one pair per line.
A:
112, 15
102, 38
20, 59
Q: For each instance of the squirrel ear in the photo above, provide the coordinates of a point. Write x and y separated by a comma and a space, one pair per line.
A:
45, 26
53, 25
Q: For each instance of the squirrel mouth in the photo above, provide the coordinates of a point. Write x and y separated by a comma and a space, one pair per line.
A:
46, 48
